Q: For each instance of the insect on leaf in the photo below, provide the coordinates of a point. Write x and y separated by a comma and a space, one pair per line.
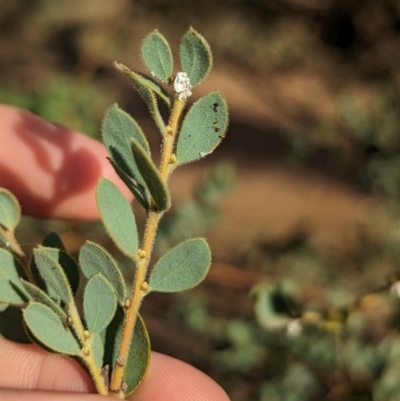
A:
94, 259
157, 56
183, 267
48, 329
203, 128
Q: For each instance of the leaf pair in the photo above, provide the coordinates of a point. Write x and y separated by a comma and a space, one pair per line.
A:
130, 156
195, 56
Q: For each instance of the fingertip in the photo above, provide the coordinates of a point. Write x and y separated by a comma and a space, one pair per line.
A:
51, 169
169, 379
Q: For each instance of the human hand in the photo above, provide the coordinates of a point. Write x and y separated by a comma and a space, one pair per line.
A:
54, 172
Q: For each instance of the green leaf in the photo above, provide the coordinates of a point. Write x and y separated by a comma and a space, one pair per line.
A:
95, 259
53, 240
203, 128
183, 267
54, 247
138, 357
4, 242
138, 190
11, 289
10, 211
157, 55
99, 303
139, 352
53, 275
154, 86
98, 349
11, 326
117, 217
48, 329
153, 180
118, 129
38, 295
196, 57
111, 338
67, 263
147, 93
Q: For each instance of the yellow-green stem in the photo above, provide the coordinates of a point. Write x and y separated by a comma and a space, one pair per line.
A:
142, 261
87, 354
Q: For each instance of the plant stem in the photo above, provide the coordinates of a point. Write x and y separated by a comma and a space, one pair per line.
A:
142, 261
87, 354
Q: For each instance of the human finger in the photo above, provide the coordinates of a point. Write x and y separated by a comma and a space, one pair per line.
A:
52, 170
26, 366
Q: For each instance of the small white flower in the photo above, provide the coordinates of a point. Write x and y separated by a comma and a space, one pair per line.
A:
182, 85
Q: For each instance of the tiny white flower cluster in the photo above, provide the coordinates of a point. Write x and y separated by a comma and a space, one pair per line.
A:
182, 85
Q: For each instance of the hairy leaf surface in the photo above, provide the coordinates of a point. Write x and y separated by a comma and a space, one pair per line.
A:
183, 267
117, 217
203, 128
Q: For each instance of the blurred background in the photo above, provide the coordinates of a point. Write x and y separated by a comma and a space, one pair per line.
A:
301, 203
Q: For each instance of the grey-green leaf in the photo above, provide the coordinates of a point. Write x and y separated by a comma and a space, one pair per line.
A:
157, 55
11, 324
53, 240
38, 295
99, 303
139, 352
196, 57
183, 267
154, 86
118, 218
11, 289
138, 190
203, 128
94, 259
53, 274
152, 178
138, 358
68, 264
118, 129
147, 93
10, 211
49, 330
98, 349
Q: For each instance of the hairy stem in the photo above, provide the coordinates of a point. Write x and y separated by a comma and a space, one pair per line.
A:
142, 261
87, 352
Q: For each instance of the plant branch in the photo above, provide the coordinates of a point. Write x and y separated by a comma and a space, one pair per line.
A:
140, 286
87, 351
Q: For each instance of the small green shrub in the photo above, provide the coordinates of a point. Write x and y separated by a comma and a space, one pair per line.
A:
108, 336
